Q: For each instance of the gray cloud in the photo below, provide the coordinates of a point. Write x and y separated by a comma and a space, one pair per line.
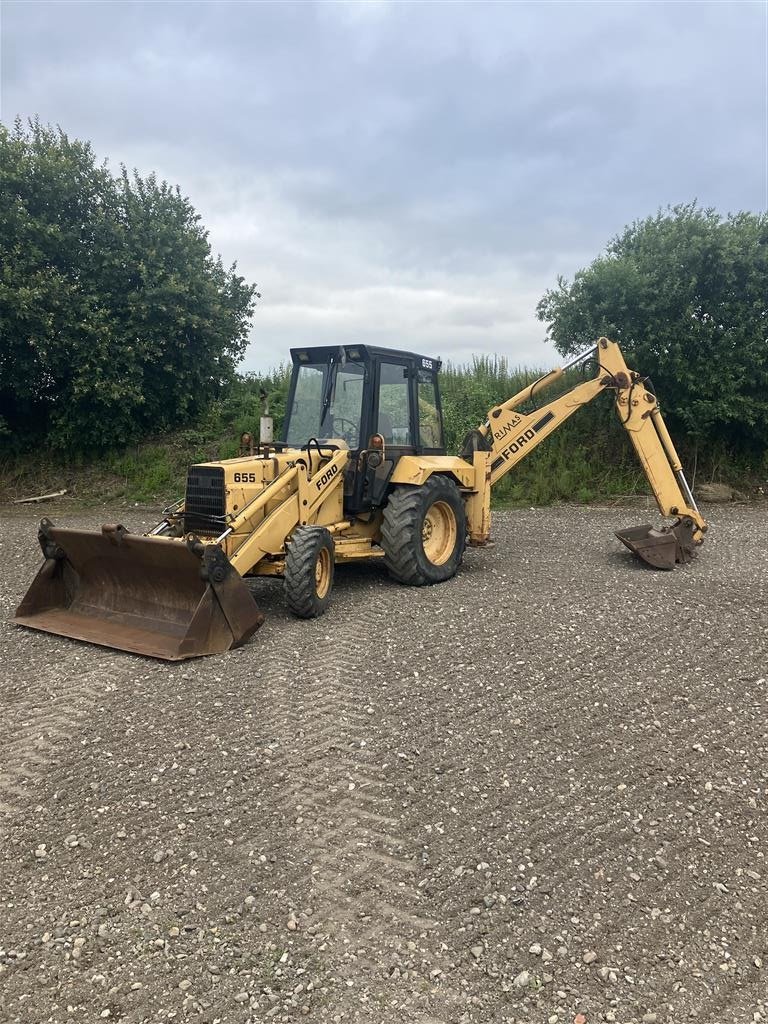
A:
412, 173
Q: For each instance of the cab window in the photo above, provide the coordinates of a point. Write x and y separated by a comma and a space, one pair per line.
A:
394, 411
430, 427
328, 402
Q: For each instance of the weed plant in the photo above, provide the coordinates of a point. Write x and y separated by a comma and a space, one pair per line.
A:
588, 459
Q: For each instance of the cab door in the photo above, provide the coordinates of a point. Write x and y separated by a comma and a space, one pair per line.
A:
392, 414
396, 421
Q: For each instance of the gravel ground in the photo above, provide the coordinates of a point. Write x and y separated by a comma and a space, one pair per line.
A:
536, 793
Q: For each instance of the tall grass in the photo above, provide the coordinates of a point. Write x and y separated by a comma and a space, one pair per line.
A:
585, 459
589, 458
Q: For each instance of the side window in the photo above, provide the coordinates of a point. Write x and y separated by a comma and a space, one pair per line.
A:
394, 417
430, 428
347, 404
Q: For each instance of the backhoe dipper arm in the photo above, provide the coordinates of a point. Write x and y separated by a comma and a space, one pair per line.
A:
511, 434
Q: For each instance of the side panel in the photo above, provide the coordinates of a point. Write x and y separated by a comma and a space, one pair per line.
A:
417, 469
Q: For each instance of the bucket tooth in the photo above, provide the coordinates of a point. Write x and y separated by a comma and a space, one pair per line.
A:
154, 596
663, 548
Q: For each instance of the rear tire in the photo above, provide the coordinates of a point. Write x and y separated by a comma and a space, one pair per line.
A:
424, 532
309, 567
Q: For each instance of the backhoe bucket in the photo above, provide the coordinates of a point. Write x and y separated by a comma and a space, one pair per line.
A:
155, 596
663, 548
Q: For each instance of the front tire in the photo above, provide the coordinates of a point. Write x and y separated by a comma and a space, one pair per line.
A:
424, 532
309, 568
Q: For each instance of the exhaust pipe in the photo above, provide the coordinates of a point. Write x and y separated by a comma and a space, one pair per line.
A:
157, 596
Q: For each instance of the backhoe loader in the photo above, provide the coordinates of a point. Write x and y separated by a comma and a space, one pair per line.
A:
361, 473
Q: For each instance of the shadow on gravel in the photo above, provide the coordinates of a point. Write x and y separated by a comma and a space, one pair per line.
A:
357, 582
627, 562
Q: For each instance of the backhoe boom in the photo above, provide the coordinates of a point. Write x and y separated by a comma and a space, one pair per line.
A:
510, 435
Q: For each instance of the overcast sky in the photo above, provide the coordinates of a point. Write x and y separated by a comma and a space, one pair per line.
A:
414, 174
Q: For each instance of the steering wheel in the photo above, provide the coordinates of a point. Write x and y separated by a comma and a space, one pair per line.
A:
349, 427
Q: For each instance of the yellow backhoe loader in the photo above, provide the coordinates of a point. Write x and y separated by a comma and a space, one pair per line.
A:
362, 473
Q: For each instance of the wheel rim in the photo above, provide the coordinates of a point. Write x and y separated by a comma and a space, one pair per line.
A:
438, 532
323, 573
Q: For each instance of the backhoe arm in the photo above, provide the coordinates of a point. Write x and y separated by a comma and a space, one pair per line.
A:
510, 435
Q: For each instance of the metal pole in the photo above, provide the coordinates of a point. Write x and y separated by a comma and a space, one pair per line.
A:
580, 358
686, 489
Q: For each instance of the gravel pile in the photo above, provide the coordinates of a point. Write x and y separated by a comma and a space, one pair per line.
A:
536, 793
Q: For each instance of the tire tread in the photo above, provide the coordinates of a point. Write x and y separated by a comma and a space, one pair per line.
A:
401, 529
299, 581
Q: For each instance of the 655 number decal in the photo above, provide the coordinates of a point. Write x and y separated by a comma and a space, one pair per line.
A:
245, 478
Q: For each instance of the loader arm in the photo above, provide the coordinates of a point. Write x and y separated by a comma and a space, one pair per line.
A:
510, 435
176, 596
302, 491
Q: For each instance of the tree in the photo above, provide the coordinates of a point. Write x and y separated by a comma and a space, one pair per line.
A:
115, 319
685, 293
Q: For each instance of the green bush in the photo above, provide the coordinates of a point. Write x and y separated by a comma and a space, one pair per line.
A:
685, 294
116, 321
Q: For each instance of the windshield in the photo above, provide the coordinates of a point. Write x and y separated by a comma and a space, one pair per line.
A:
337, 387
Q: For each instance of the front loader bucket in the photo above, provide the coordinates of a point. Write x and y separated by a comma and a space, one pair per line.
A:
662, 548
156, 596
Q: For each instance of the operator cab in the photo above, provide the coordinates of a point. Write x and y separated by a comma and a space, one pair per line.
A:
381, 402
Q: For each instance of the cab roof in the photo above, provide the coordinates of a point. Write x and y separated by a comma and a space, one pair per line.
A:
362, 353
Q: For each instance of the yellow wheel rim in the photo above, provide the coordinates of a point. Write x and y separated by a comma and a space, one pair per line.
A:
438, 533
323, 573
